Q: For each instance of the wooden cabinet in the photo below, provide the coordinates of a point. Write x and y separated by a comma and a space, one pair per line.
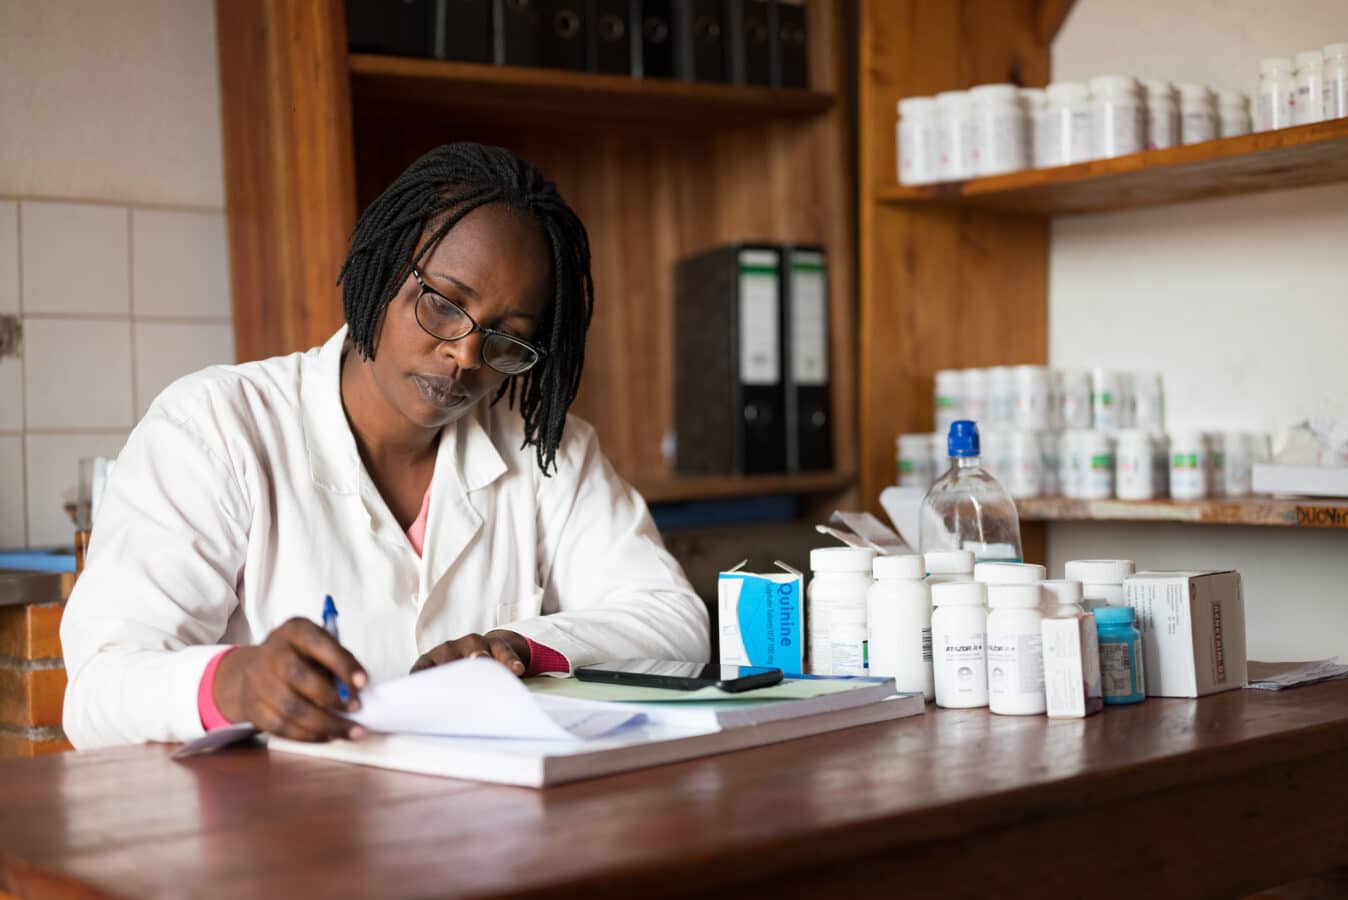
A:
657, 170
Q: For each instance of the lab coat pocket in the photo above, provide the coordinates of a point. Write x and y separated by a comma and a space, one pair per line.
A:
525, 608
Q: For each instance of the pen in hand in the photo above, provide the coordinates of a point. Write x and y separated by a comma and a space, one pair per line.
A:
330, 626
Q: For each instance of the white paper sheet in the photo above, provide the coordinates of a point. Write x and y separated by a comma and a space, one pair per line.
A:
481, 698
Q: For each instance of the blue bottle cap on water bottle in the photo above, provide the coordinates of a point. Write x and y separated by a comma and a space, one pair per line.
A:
963, 439
1114, 615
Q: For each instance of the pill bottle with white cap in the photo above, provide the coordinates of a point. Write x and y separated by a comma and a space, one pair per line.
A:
1009, 573
959, 625
898, 624
842, 576
1101, 580
1061, 598
1015, 650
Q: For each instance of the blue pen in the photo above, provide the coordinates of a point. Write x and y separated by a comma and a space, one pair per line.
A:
330, 626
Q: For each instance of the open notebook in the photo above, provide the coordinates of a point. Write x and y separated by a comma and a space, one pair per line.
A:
474, 720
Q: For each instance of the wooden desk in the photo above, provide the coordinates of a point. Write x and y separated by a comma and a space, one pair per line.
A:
1211, 798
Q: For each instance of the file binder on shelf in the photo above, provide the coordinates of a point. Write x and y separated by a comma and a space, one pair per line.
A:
398, 29
563, 39
612, 36
754, 42
809, 435
793, 72
515, 33
703, 40
463, 30
729, 399
655, 40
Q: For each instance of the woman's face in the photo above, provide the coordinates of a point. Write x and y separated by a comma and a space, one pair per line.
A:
495, 264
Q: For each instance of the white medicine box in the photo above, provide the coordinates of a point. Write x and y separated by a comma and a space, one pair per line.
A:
1072, 684
1193, 631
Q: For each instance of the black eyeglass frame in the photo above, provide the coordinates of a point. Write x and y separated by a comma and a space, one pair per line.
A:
539, 352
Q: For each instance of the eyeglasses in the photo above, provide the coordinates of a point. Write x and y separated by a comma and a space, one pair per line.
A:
445, 320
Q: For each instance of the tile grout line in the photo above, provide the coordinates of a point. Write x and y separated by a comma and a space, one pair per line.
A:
86, 201
23, 380
150, 319
131, 305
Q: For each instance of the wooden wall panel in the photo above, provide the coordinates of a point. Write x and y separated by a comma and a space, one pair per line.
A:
289, 174
939, 288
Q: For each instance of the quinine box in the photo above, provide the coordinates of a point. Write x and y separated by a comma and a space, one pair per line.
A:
762, 618
1193, 631
1072, 684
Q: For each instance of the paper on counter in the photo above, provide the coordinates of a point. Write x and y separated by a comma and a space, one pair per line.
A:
1266, 676
480, 698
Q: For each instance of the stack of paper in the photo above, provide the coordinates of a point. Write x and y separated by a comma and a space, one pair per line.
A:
474, 719
1277, 676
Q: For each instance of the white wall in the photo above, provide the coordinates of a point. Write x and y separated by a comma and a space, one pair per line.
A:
112, 234
1241, 302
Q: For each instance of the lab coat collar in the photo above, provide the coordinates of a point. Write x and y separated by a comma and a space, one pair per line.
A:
467, 454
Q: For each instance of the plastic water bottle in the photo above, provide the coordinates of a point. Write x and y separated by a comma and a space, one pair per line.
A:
968, 509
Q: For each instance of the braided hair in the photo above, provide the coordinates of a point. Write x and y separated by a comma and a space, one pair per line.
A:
430, 198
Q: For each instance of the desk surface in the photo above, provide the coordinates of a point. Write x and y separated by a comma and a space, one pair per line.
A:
1214, 797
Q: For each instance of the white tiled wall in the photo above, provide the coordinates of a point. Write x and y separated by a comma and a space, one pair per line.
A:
116, 303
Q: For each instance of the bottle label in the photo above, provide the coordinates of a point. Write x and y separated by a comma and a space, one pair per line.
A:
964, 657
1015, 665
1115, 671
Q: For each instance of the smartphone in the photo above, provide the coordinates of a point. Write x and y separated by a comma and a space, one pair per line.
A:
680, 676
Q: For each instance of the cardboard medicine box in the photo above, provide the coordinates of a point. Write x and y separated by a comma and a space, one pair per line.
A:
1072, 683
762, 618
1193, 631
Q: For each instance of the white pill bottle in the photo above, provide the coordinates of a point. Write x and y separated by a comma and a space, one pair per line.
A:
842, 576
898, 624
959, 625
1015, 650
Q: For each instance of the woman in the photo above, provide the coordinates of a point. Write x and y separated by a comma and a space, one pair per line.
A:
420, 467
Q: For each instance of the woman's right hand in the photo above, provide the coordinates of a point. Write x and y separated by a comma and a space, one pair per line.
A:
287, 685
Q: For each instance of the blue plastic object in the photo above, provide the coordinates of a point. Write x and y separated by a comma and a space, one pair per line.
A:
1121, 666
62, 560
963, 438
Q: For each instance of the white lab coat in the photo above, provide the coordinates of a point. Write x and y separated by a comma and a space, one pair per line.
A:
240, 500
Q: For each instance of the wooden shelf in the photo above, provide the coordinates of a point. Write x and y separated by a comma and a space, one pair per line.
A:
1293, 513
1268, 161
554, 98
679, 489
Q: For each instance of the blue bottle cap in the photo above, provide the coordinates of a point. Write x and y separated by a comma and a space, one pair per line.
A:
963, 439
1114, 615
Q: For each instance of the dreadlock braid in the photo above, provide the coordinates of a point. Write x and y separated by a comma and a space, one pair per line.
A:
429, 199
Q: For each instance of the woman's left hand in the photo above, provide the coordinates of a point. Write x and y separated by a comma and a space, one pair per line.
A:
506, 647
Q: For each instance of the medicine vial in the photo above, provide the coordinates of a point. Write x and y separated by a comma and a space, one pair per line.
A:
1148, 401
949, 565
1050, 463
916, 467
1335, 95
1121, 661
1277, 93
1031, 396
949, 399
1095, 465
1069, 482
1034, 102
1134, 466
1101, 580
976, 395
1065, 128
1106, 408
1015, 650
959, 625
1237, 473
1310, 82
1073, 390
955, 144
842, 576
1233, 114
1025, 475
1198, 114
1188, 465
999, 129
898, 624
1160, 461
1163, 116
1001, 397
918, 141
1119, 120
1061, 597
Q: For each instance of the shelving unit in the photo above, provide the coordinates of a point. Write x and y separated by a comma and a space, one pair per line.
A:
657, 169
1268, 161
1275, 511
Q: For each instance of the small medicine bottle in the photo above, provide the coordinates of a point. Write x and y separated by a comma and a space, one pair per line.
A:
1015, 650
898, 624
1335, 95
1188, 465
842, 576
1134, 467
1163, 122
1061, 598
1095, 465
1310, 82
955, 136
1121, 667
1198, 114
999, 129
1101, 580
916, 467
1009, 573
1233, 114
959, 626
1277, 93
918, 141
1119, 122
